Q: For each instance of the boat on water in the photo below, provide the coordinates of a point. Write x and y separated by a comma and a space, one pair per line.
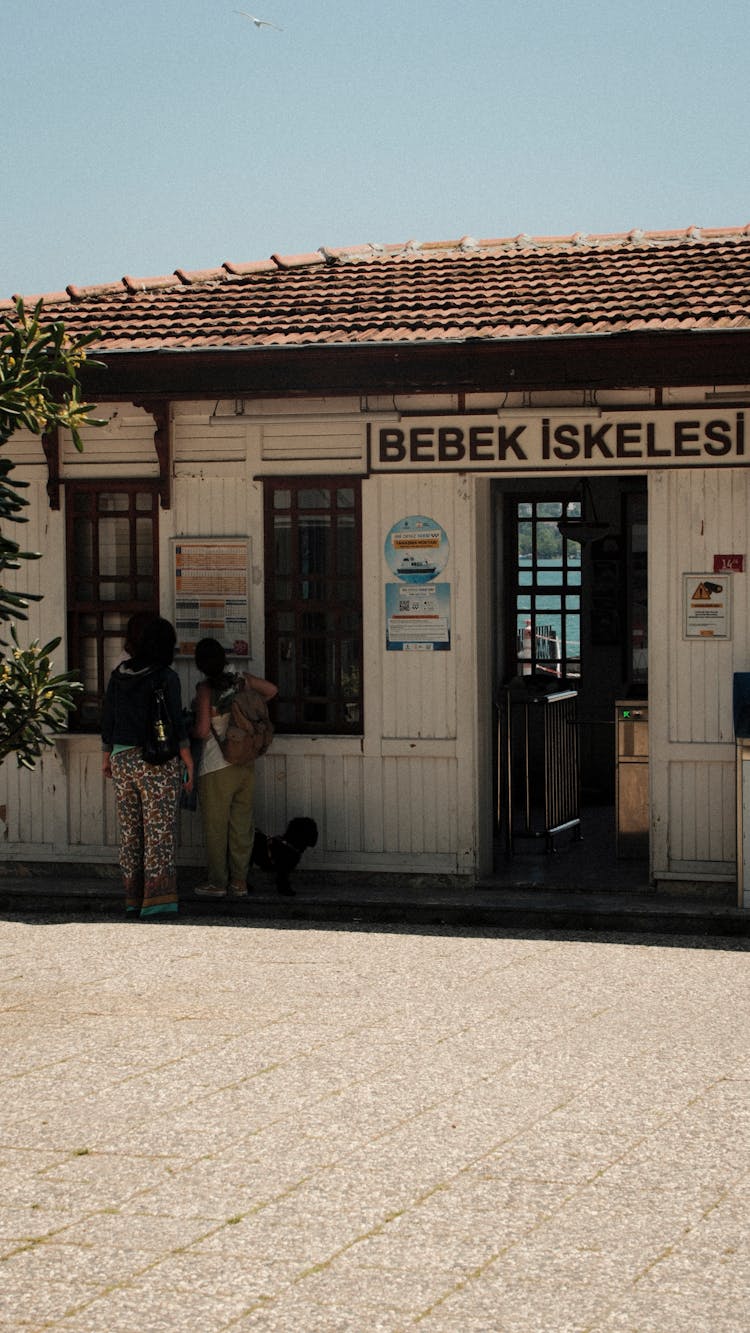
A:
413, 564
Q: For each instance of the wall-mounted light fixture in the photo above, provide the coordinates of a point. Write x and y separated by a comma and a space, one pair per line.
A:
587, 528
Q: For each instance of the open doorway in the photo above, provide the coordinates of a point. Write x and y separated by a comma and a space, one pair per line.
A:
571, 623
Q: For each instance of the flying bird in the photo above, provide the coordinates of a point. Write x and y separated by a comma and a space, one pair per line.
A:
259, 23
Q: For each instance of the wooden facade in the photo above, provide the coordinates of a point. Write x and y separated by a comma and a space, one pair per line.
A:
412, 793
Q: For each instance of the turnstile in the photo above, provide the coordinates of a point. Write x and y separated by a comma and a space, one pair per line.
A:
631, 783
538, 765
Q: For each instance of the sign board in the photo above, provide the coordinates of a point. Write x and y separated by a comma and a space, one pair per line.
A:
211, 593
417, 618
707, 602
730, 564
590, 440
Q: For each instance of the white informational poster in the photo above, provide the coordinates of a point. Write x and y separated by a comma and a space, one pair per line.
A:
211, 593
707, 604
418, 619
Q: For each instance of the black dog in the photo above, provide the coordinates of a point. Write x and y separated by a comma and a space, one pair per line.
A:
280, 855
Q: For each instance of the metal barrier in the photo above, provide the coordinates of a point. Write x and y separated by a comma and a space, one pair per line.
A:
538, 765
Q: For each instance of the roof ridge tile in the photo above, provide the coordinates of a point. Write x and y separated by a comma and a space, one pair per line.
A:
249, 269
298, 261
188, 277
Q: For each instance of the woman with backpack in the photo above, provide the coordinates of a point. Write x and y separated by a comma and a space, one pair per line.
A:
147, 793
225, 789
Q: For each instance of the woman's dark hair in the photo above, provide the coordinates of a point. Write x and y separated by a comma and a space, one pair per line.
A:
134, 631
211, 661
157, 644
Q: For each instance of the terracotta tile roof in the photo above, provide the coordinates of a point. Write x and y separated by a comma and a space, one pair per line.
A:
515, 287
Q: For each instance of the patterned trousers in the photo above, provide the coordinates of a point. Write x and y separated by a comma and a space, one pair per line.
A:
147, 797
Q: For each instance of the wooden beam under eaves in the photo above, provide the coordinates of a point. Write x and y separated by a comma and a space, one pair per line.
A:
51, 447
161, 411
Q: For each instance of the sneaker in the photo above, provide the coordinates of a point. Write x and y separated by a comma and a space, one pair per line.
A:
209, 891
238, 889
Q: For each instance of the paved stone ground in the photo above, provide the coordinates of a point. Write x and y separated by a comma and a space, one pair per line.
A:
224, 1125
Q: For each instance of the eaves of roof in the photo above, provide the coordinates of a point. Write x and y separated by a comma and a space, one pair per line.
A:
626, 360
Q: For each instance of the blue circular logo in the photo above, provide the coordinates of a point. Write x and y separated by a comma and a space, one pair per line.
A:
416, 549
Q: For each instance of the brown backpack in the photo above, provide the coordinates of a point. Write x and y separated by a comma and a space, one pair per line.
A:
249, 730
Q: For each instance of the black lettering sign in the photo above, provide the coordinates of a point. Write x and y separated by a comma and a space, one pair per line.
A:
628, 432
651, 449
421, 444
510, 440
685, 433
392, 447
451, 447
480, 437
718, 438
567, 444
594, 439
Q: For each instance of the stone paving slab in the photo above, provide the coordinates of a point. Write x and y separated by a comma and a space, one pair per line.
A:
230, 1125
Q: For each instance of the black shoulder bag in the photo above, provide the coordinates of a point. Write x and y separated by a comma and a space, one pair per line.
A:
161, 743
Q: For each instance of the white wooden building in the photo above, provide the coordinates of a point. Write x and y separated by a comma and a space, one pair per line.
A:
352, 466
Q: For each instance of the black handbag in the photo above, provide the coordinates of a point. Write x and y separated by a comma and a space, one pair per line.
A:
162, 743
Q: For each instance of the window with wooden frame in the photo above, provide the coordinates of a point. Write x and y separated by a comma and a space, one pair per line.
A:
546, 620
112, 572
313, 565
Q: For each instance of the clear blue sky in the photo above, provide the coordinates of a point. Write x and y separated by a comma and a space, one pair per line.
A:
140, 136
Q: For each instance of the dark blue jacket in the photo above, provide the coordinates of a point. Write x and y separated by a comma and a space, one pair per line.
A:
126, 704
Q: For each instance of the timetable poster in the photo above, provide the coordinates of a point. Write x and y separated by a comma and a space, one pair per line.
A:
211, 593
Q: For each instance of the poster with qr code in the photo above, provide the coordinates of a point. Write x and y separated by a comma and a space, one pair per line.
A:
417, 619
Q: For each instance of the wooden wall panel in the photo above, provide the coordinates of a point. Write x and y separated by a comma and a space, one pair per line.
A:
418, 689
694, 515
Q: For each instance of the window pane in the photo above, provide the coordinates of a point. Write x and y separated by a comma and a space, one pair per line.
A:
83, 547
113, 592
314, 499
282, 546
282, 499
114, 546
87, 666
347, 544
112, 654
314, 545
113, 502
145, 500
144, 546
549, 543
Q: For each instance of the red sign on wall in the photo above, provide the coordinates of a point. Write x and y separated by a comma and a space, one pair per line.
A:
729, 564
